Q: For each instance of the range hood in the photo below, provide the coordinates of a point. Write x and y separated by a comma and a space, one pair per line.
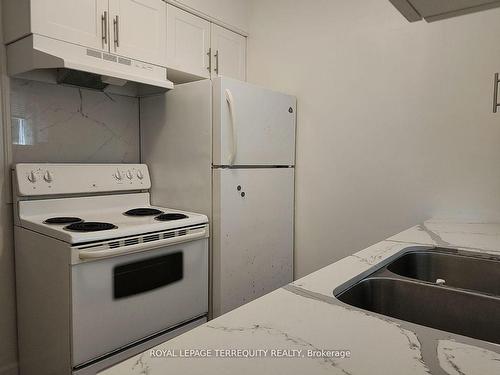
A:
435, 10
41, 58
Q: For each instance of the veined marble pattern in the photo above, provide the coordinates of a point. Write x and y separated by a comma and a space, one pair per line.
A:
484, 237
305, 315
458, 359
286, 320
55, 123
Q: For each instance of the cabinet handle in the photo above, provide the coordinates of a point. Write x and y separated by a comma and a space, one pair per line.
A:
217, 62
104, 28
495, 94
116, 28
209, 53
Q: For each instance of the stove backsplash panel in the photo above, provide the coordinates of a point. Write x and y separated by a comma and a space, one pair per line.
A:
55, 123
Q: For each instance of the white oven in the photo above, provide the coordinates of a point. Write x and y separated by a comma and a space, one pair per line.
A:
120, 300
101, 274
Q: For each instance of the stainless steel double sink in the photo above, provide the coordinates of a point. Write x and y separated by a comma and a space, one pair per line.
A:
446, 289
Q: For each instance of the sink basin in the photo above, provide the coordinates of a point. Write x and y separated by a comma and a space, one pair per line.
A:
457, 292
464, 313
466, 272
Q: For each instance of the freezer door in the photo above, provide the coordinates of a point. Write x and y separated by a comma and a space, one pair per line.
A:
252, 126
252, 234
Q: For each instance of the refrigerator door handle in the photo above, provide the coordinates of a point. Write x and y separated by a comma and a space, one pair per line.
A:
234, 140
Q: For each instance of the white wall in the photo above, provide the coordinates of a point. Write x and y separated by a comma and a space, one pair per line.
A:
231, 12
8, 332
395, 119
8, 343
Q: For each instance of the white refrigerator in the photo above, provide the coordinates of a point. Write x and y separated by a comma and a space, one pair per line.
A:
226, 148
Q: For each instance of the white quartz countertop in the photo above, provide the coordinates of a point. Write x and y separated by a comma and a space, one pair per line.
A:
280, 330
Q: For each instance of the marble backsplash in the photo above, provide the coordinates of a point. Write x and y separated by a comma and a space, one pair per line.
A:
55, 123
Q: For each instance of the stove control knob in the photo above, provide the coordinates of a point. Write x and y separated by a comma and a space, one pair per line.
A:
140, 176
47, 177
118, 175
32, 177
129, 175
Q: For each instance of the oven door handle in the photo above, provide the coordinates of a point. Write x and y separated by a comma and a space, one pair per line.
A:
96, 254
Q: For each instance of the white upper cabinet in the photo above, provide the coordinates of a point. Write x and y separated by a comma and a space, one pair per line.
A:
75, 21
433, 10
80, 22
227, 12
198, 49
229, 51
149, 31
138, 29
188, 43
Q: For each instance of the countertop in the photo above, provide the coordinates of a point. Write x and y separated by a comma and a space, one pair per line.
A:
304, 317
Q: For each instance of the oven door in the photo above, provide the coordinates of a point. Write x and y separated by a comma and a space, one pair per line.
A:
119, 300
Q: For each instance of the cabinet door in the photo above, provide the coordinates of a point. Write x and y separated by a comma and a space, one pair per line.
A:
76, 21
139, 30
188, 42
229, 53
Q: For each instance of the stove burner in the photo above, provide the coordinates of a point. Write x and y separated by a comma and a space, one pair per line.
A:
143, 212
63, 220
169, 217
90, 226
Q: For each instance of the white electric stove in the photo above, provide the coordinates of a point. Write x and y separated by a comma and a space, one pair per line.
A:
101, 273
